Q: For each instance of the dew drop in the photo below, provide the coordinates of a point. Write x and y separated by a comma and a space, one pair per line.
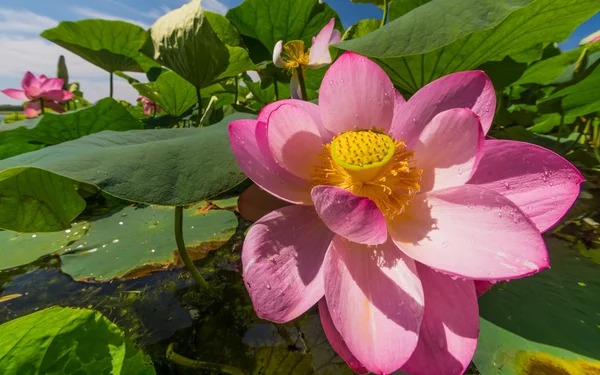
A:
444, 244
120, 223
268, 286
331, 82
33, 235
115, 241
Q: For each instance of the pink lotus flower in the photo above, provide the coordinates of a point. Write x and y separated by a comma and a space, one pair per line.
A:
394, 210
595, 39
292, 55
149, 106
41, 92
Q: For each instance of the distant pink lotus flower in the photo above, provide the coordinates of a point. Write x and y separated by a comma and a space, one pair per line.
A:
293, 57
594, 39
394, 209
149, 106
41, 92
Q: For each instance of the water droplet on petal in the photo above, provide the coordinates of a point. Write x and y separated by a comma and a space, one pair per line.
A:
268, 286
444, 244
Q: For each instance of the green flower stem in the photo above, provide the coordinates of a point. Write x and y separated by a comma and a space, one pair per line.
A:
111, 85
276, 88
237, 90
199, 365
301, 83
199, 118
385, 13
182, 250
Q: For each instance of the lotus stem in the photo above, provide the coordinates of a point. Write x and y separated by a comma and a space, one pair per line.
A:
237, 89
276, 87
301, 83
42, 105
385, 13
199, 117
111, 84
199, 365
183, 251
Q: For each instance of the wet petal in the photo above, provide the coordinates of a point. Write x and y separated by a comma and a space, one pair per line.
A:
283, 258
375, 300
542, 183
470, 232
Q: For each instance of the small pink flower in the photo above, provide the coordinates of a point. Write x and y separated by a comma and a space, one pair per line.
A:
393, 211
594, 39
40, 90
293, 57
149, 106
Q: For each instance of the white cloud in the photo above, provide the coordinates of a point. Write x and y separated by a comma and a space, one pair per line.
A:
93, 13
24, 22
214, 6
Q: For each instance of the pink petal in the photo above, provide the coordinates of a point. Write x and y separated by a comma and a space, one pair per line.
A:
282, 258
263, 171
28, 81
449, 149
57, 95
294, 140
448, 335
356, 218
337, 342
356, 94
34, 92
15, 94
543, 184
375, 300
470, 232
255, 203
277, 60
471, 90
309, 107
33, 109
399, 102
54, 106
319, 51
481, 286
52, 84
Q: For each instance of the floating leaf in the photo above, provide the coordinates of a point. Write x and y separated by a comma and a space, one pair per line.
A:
172, 93
18, 249
32, 200
550, 319
110, 45
68, 341
51, 129
137, 241
168, 167
445, 36
263, 23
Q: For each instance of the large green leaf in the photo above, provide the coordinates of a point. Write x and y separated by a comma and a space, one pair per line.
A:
137, 241
172, 93
17, 249
361, 28
263, 23
110, 45
67, 341
398, 8
51, 128
193, 43
581, 98
164, 167
446, 36
32, 200
546, 71
541, 322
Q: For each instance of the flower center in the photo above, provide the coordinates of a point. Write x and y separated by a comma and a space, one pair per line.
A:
371, 164
294, 55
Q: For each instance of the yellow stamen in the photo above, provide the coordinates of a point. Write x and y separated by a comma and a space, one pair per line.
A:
371, 164
294, 55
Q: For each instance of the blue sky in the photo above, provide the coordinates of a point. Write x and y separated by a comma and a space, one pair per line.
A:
23, 49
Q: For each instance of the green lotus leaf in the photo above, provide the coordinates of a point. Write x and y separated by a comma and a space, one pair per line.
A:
172, 93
